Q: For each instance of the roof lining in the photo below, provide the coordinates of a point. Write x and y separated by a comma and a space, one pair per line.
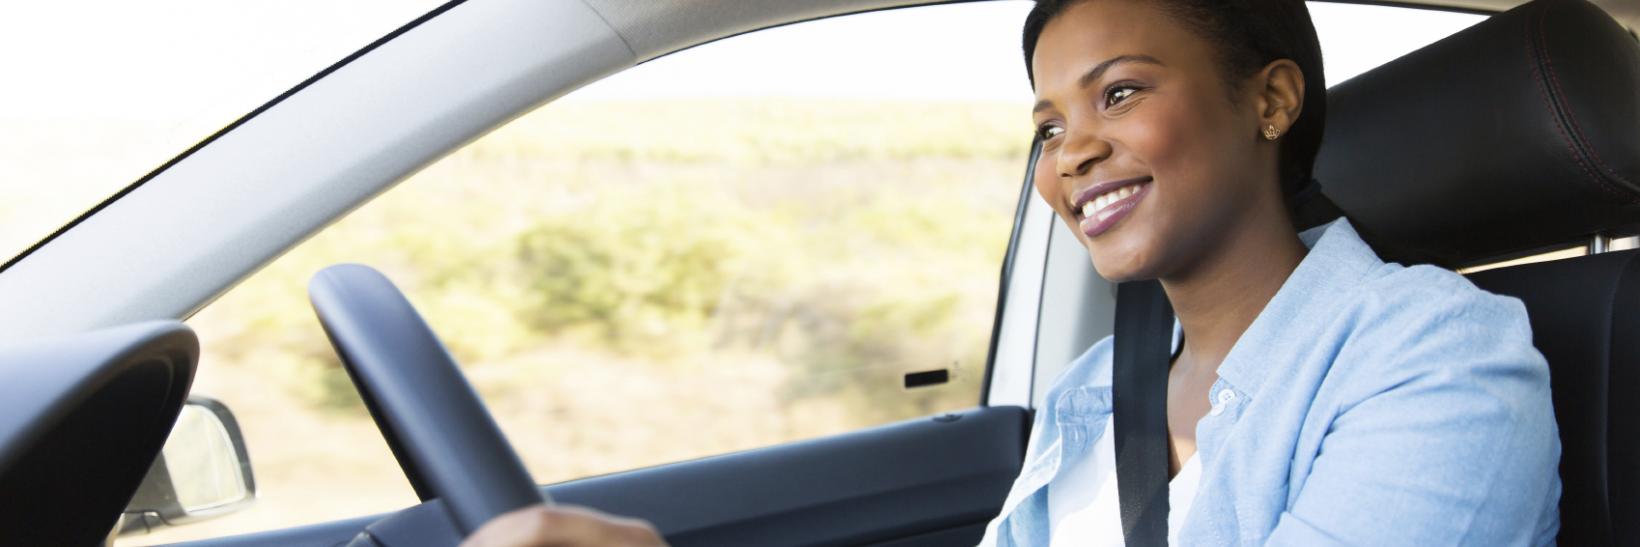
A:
655, 28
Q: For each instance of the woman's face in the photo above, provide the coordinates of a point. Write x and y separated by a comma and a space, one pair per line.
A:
1144, 153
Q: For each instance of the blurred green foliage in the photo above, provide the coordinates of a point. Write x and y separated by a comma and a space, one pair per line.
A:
853, 242
641, 272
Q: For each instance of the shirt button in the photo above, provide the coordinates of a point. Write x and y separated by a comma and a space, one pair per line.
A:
1225, 397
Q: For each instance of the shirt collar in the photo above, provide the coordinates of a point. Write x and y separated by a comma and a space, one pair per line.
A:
1337, 261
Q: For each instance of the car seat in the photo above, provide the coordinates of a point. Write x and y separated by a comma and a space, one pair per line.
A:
1518, 135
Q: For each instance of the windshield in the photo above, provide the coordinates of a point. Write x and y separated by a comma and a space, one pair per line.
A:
100, 93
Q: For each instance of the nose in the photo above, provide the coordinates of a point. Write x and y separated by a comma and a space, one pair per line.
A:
1083, 148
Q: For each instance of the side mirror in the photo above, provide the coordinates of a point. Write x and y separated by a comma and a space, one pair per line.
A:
203, 472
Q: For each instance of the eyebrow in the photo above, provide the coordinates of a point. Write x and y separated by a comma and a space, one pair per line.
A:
1093, 74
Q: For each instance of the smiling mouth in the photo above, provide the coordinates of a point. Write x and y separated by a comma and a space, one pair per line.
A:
1101, 206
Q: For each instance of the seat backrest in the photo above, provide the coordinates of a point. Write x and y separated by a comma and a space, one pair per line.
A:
1520, 134
1585, 315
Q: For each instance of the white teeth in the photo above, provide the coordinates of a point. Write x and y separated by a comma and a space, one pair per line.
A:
1095, 207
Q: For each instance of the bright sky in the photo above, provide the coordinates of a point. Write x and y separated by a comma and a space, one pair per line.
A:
79, 72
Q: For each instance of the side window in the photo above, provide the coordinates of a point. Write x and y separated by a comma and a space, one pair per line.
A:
742, 244
1356, 38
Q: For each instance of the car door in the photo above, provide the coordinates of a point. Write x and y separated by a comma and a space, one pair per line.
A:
748, 292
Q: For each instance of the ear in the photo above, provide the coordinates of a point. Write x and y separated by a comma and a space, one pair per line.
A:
1279, 95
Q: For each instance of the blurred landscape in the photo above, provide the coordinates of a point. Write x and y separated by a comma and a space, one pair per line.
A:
631, 284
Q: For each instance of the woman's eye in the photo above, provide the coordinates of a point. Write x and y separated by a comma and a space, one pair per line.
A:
1049, 131
1117, 94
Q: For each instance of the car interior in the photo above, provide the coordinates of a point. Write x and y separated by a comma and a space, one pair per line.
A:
1518, 135
1515, 135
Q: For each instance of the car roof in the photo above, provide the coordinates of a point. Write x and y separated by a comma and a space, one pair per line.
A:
655, 27
1626, 12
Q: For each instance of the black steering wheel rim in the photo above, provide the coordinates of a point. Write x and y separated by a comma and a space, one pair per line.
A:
446, 442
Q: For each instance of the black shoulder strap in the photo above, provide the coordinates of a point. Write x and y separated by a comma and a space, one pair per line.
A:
1144, 336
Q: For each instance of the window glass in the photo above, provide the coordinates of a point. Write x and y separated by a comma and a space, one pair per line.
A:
100, 92
1356, 37
745, 243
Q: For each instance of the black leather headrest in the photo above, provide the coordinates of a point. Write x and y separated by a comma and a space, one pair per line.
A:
1518, 134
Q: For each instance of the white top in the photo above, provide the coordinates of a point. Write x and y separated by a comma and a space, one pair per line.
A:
1082, 503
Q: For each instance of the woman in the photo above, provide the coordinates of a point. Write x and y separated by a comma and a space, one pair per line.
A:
1319, 396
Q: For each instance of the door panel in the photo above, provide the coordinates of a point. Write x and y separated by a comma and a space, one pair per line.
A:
930, 481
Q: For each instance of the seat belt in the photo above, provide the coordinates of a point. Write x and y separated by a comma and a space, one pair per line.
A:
1143, 348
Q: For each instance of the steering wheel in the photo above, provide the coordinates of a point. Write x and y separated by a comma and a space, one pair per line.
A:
447, 443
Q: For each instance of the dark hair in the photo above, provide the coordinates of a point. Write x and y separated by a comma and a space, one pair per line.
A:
1248, 35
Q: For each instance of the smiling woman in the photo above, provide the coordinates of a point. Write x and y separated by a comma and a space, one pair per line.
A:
1114, 120
1176, 136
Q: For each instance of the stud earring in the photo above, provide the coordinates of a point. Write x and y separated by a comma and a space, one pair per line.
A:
1271, 133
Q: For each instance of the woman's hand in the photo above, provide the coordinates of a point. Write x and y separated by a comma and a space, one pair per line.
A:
563, 526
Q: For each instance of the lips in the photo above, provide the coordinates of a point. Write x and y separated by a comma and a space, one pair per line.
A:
1099, 207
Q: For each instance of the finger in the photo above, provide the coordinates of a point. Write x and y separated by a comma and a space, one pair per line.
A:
521, 527
587, 526
563, 526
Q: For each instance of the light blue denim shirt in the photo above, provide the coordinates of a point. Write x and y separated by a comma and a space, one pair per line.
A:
1369, 404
